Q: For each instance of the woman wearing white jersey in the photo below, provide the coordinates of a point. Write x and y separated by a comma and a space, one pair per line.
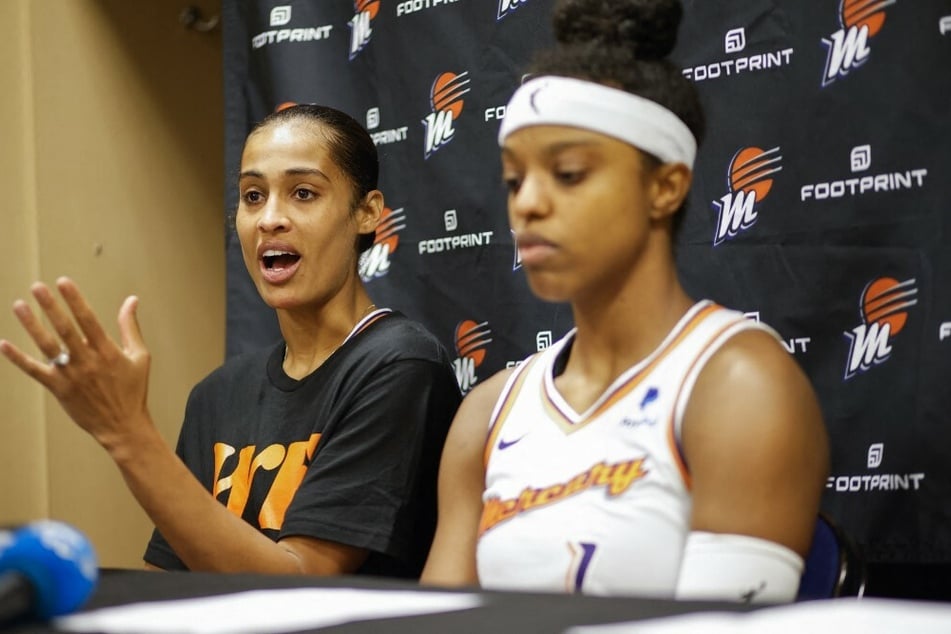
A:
665, 446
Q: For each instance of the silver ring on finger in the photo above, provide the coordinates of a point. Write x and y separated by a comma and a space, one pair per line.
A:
60, 360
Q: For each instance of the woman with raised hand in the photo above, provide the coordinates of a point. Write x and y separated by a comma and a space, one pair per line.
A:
315, 456
665, 446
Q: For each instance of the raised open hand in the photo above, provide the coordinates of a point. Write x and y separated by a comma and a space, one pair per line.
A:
102, 386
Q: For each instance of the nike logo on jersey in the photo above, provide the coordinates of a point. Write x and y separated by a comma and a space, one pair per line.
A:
504, 444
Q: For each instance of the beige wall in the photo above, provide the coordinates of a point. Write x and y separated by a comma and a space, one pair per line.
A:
111, 144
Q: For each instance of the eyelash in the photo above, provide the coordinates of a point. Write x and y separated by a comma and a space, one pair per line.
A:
573, 177
252, 197
512, 184
569, 177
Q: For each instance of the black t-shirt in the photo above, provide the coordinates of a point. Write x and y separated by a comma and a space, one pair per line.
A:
349, 453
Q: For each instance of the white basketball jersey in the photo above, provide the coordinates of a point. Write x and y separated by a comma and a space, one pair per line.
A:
599, 501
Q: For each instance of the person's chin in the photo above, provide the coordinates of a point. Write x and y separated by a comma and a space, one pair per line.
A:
546, 288
278, 298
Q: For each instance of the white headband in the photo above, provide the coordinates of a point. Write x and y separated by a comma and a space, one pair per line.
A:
552, 100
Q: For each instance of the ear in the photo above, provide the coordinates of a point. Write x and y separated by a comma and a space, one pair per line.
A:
369, 212
669, 184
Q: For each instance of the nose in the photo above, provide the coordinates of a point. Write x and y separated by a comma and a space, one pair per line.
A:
531, 199
273, 217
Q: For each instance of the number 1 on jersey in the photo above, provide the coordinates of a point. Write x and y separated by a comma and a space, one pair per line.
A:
581, 554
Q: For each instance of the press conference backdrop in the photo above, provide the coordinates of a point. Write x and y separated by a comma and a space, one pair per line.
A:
821, 203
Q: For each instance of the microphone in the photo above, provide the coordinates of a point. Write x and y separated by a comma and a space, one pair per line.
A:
47, 568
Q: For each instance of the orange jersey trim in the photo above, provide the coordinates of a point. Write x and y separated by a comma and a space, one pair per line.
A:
507, 402
672, 440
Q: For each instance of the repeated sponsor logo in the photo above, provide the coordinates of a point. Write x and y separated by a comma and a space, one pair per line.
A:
734, 42
360, 28
848, 48
749, 179
793, 345
517, 258
797, 345
373, 118
447, 104
414, 6
375, 261
860, 160
506, 7
867, 482
450, 219
281, 16
543, 339
944, 331
472, 339
494, 113
497, 113
883, 307
386, 136
454, 242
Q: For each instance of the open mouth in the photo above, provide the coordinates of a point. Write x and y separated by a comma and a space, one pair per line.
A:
276, 260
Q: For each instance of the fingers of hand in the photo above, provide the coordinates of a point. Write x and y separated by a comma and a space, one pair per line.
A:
71, 348
129, 328
43, 338
84, 315
40, 371
59, 319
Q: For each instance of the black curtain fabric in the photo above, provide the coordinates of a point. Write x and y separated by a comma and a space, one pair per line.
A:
821, 202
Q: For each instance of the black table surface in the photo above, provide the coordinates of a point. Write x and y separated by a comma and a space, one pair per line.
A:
499, 612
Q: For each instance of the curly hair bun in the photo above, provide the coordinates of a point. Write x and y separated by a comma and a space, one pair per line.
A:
647, 27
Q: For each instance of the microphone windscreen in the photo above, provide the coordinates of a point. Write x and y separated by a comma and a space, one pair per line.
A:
58, 560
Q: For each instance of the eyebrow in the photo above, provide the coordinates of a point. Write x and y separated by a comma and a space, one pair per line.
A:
294, 171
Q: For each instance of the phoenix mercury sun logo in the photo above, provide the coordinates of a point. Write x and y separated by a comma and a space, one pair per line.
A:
375, 261
848, 47
749, 179
471, 338
360, 30
446, 99
506, 7
884, 310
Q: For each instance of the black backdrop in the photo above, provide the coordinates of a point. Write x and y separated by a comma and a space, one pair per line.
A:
821, 202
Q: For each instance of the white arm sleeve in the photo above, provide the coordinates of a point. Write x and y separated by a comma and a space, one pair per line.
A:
737, 568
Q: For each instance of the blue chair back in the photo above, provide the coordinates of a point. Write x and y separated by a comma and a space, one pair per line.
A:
833, 567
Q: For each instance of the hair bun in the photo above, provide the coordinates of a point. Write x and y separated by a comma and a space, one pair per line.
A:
647, 27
